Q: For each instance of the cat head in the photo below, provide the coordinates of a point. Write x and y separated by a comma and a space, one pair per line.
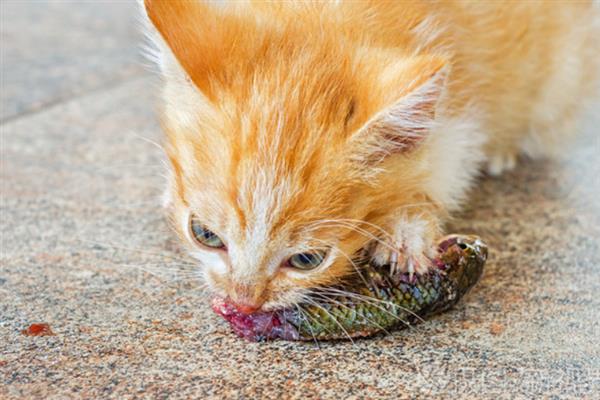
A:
289, 143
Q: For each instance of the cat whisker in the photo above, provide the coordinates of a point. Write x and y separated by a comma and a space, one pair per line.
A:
182, 270
165, 276
329, 299
148, 140
363, 298
302, 315
358, 230
359, 222
128, 166
366, 222
314, 303
168, 267
139, 251
371, 300
307, 316
347, 257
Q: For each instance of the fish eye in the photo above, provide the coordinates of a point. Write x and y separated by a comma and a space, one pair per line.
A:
307, 261
204, 236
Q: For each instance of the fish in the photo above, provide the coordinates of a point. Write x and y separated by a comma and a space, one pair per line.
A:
373, 301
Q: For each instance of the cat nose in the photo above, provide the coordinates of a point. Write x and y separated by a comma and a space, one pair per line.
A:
246, 308
244, 305
247, 298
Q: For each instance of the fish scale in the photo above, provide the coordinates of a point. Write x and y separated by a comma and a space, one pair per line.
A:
406, 303
384, 301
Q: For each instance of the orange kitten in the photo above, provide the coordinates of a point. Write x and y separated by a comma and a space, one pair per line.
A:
299, 133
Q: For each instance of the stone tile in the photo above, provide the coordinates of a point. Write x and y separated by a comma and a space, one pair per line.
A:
85, 247
52, 50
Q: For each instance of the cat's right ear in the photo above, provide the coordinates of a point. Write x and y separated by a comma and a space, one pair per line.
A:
402, 122
190, 39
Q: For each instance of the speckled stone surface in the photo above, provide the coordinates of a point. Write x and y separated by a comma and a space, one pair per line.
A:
86, 249
54, 50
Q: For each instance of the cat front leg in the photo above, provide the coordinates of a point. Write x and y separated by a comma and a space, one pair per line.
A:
410, 245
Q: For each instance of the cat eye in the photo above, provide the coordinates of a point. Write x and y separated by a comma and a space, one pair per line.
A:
205, 236
307, 261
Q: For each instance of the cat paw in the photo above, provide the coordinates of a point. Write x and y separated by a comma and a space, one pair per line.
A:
410, 249
500, 163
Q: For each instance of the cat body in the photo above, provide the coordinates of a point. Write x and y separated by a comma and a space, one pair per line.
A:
301, 132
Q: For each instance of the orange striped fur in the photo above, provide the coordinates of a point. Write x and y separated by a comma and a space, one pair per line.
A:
299, 125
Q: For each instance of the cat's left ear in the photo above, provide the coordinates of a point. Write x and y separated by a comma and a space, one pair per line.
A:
403, 122
192, 40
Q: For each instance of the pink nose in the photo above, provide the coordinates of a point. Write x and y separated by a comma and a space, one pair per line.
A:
246, 308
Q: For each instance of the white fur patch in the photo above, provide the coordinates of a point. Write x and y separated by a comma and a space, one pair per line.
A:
410, 246
400, 126
211, 260
262, 195
456, 154
410, 232
182, 98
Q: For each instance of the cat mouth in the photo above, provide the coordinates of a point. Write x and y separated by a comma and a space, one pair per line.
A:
456, 269
257, 326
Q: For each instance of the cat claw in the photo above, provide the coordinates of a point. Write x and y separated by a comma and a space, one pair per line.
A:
403, 262
410, 268
394, 264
